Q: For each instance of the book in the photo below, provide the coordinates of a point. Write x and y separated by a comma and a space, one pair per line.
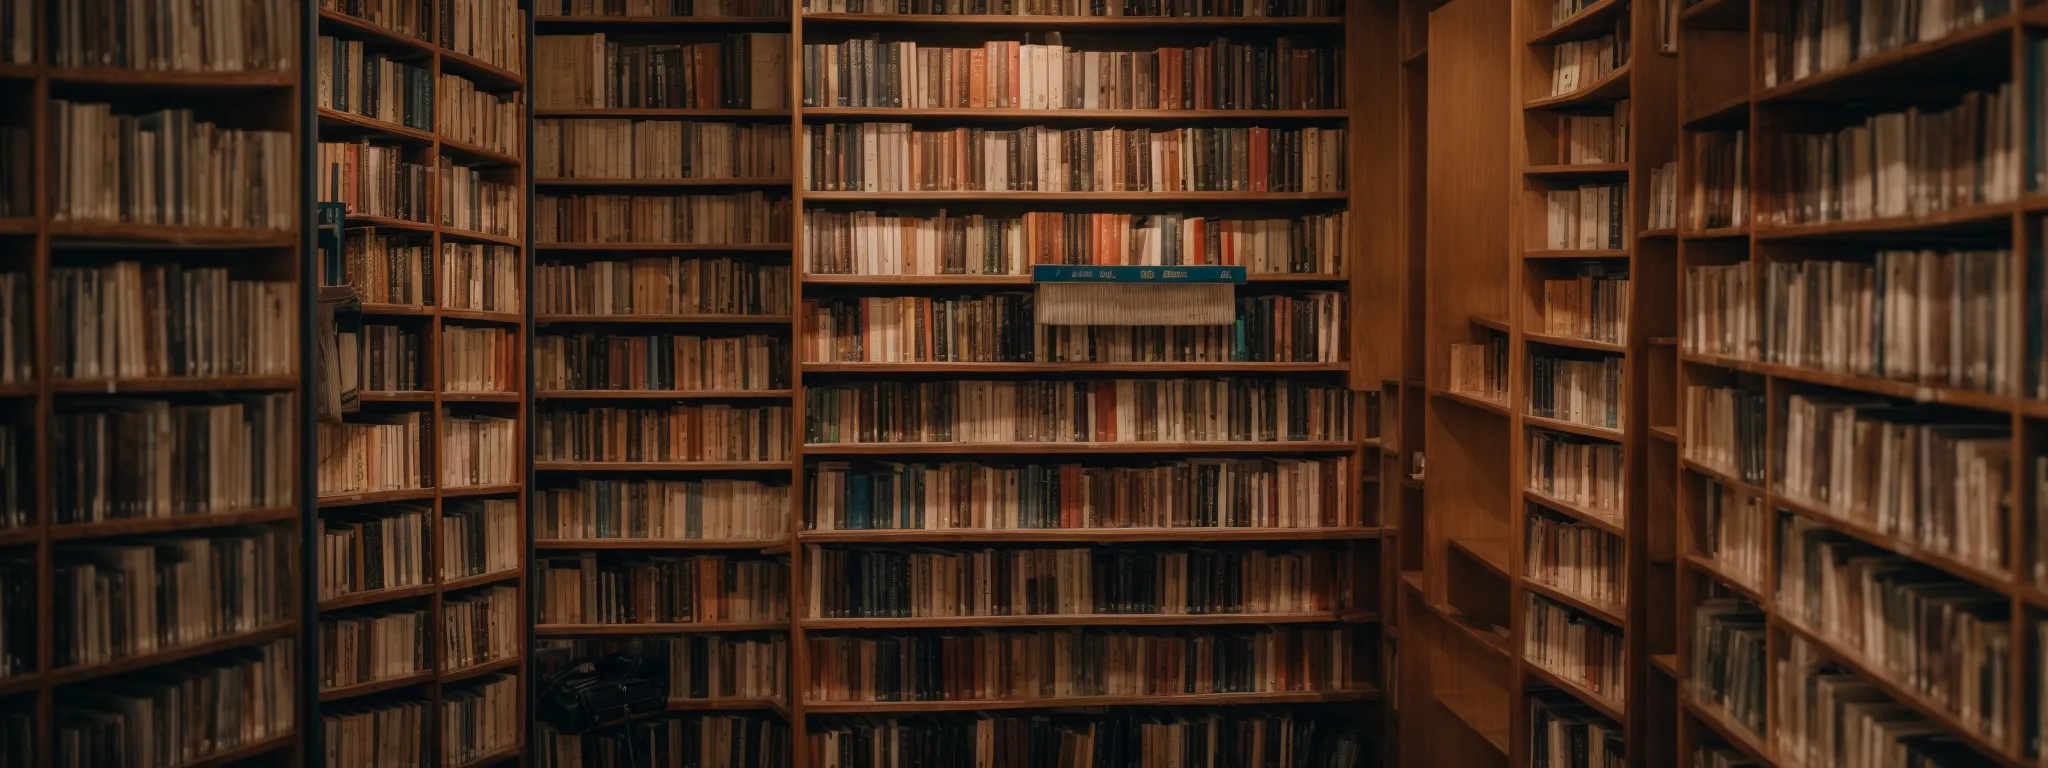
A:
484, 278
591, 148
386, 732
383, 548
17, 508
478, 536
184, 713
1272, 493
662, 285
1284, 74
1944, 318
472, 203
480, 717
1587, 392
479, 450
661, 510
1724, 430
1145, 737
1589, 217
1720, 180
1565, 733
875, 243
674, 433
1594, 139
1574, 646
373, 180
1577, 470
479, 359
1663, 212
129, 598
17, 329
1803, 38
377, 451
386, 358
748, 70
1110, 411
172, 169
219, 37
388, 266
1575, 558
480, 627
660, 362
365, 646
900, 157
1481, 370
1818, 705
1580, 64
362, 81
1896, 164
130, 320
601, 588
1727, 662
480, 119
175, 459
1733, 532
742, 218
490, 31
1720, 312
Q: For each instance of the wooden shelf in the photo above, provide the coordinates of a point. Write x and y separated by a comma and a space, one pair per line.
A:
458, 491
1094, 535
122, 233
1466, 708
724, 705
1715, 233
663, 247
664, 183
1491, 554
479, 670
1613, 87
1909, 697
1087, 620
1975, 49
492, 757
72, 675
376, 497
1730, 114
376, 686
1667, 663
395, 397
372, 596
1219, 447
485, 75
1992, 217
1583, 430
1575, 343
174, 384
115, 77
146, 525
1573, 254
658, 544
235, 755
673, 319
1658, 233
1579, 169
1492, 324
1135, 23
1583, 514
1175, 700
1713, 569
1612, 614
1983, 577
1737, 735
18, 225
330, 118
998, 115
331, 19
1025, 280
481, 316
969, 196
779, 21
622, 112
1590, 22
1716, 14
661, 466
474, 155
1609, 709
460, 583
1667, 434
1043, 368
1720, 476
664, 394
1491, 406
604, 630
481, 237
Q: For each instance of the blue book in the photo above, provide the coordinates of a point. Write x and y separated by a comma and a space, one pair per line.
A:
1066, 273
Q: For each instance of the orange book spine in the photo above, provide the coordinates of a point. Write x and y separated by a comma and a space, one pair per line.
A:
977, 75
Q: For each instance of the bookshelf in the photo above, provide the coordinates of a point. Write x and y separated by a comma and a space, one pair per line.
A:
435, 537
77, 368
1744, 389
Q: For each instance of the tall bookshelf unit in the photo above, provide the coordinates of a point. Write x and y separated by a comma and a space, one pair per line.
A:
47, 408
1717, 99
432, 43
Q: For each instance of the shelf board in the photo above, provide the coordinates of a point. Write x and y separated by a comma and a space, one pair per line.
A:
1491, 323
371, 596
331, 118
1904, 390
1613, 87
664, 394
235, 755
628, 22
174, 384
694, 112
376, 497
662, 466
172, 235
488, 758
1089, 620
1938, 63
1068, 702
460, 583
397, 310
1493, 555
1715, 233
363, 27
1136, 23
997, 114
1734, 733
1025, 280
664, 183
1578, 169
1716, 14
18, 225
970, 368
724, 705
141, 525
1729, 114
1612, 614
663, 247
1991, 580
1583, 430
597, 630
970, 196
1658, 233
394, 397
1584, 514
1721, 476
1486, 636
1925, 705
1091, 535
1489, 405
1589, 22
1666, 663
657, 544
1466, 708
459, 491
481, 397
1667, 434
480, 72
1567, 341
475, 154
376, 686
1712, 569
15, 537
70, 675
1573, 254
1990, 217
481, 316
167, 79
645, 319
481, 237
479, 670
1134, 448
1608, 708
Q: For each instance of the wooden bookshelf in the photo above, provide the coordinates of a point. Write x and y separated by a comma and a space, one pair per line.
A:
441, 679
38, 239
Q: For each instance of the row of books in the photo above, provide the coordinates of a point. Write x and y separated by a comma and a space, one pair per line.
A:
376, 452
1063, 663
479, 450
1305, 327
480, 359
1080, 581
1286, 73
365, 646
1933, 317
490, 31
167, 167
662, 285
1586, 217
1145, 738
130, 320
1481, 370
18, 627
245, 36
480, 277
1803, 38
748, 70
120, 600
468, 115
472, 204
1724, 430
1897, 164
357, 80
383, 549
481, 719
1577, 65
17, 150
592, 148
872, 243
136, 459
898, 157
700, 741
1942, 638
1576, 558
185, 713
634, 8
674, 433
1938, 483
383, 358
1720, 312
1584, 392
481, 627
373, 180
662, 510
388, 732
1219, 493
590, 588
1720, 180
387, 266
16, 508
1139, 8
1826, 713
1727, 664
1565, 733
479, 536
1734, 525
702, 666
660, 362
411, 18
1577, 470
743, 218
1574, 646
1663, 213
1126, 410
1592, 304
1594, 139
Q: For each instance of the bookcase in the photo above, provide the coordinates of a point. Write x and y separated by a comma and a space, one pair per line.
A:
423, 499
1786, 427
100, 253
